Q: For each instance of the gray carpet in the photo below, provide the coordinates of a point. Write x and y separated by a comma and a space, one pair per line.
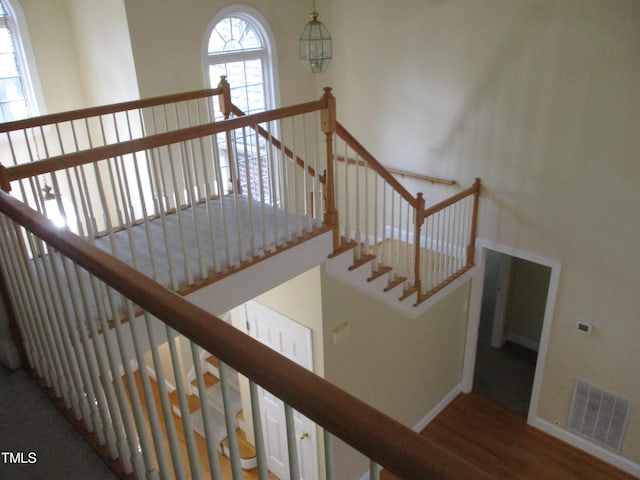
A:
29, 422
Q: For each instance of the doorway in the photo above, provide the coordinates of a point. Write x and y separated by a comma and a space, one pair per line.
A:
514, 312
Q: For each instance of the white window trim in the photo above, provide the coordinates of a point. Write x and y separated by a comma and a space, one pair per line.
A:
24, 52
268, 57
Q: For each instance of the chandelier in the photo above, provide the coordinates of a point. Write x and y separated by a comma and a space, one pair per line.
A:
315, 44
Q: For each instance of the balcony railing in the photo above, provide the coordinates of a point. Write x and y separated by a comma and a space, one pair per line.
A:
93, 311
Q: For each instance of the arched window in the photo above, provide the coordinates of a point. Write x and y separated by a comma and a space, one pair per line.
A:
239, 46
17, 73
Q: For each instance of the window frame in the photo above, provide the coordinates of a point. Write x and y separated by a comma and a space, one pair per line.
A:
266, 55
27, 69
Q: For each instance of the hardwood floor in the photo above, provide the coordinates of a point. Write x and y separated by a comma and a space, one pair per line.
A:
502, 444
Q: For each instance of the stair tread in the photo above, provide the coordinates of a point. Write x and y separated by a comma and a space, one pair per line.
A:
397, 280
379, 272
213, 361
364, 259
209, 380
192, 401
246, 449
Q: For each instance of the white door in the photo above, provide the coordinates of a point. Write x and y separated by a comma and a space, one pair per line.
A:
293, 341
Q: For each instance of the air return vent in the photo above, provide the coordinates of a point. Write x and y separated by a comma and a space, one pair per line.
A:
599, 415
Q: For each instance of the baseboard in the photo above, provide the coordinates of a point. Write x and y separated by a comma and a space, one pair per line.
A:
433, 413
523, 341
572, 439
440, 406
152, 374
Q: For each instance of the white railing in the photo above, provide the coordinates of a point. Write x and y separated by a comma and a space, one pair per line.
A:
100, 368
185, 206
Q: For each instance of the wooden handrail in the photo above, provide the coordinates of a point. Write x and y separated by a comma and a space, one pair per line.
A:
472, 190
70, 160
402, 173
374, 164
419, 176
275, 142
379, 437
106, 109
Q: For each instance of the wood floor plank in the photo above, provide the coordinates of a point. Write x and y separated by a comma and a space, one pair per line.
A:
502, 444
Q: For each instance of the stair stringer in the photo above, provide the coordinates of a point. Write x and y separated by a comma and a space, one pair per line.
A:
338, 268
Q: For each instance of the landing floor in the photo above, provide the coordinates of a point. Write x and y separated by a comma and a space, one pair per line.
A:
502, 444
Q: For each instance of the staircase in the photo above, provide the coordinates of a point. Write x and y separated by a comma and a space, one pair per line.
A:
215, 408
378, 237
364, 271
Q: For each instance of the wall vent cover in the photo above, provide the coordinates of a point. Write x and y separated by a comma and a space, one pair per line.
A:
599, 415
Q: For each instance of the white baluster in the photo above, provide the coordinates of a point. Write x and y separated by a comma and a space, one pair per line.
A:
214, 463
189, 180
347, 198
235, 181
104, 399
158, 179
358, 250
273, 186
152, 412
284, 184
263, 197
71, 340
208, 180
192, 450
296, 187
328, 456
248, 171
165, 403
223, 207
292, 442
179, 214
230, 422
374, 470
112, 383
258, 434
141, 452
367, 201
392, 244
376, 232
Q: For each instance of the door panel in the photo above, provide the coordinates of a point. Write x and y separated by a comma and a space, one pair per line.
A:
293, 341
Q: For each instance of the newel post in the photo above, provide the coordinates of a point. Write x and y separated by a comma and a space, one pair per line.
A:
417, 282
5, 184
471, 248
224, 99
329, 127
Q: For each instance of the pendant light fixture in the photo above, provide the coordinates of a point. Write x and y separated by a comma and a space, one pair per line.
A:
315, 44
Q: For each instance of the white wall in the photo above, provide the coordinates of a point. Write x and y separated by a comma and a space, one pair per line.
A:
103, 50
403, 367
168, 38
540, 100
54, 49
